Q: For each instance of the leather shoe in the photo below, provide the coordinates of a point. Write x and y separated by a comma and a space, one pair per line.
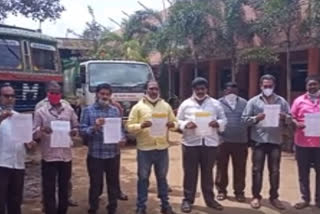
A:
215, 205
123, 197
277, 204
301, 205
186, 207
167, 210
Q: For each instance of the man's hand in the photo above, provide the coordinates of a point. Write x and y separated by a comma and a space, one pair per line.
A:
214, 124
99, 123
5, 114
191, 125
123, 142
170, 125
260, 117
283, 116
300, 125
73, 133
30, 146
46, 130
146, 124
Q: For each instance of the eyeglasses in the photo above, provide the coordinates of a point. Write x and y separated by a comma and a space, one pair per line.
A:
9, 95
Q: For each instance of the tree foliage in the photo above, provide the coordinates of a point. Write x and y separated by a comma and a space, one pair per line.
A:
36, 9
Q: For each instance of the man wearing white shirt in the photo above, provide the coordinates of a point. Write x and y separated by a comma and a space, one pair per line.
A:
200, 146
12, 157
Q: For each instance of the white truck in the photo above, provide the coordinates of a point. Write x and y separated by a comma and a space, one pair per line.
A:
127, 79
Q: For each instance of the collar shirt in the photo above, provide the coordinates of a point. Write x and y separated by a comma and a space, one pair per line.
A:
187, 113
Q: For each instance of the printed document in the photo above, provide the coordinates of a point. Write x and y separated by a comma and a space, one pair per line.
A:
60, 136
312, 122
159, 125
272, 118
112, 132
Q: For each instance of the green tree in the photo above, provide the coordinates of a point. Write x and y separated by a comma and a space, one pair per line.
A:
279, 25
40, 10
188, 25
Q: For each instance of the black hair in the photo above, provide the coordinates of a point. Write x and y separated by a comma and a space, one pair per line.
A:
147, 84
5, 85
230, 85
268, 77
54, 84
200, 81
312, 77
105, 86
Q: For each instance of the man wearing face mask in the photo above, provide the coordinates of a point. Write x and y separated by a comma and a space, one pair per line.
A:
56, 162
40, 104
151, 150
200, 151
235, 144
267, 140
12, 157
307, 148
103, 159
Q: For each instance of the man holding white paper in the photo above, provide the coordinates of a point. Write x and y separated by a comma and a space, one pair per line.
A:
101, 125
150, 120
305, 111
267, 136
200, 117
12, 152
54, 124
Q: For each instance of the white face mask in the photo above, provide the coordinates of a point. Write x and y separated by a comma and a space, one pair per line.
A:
199, 98
267, 91
231, 97
103, 103
151, 99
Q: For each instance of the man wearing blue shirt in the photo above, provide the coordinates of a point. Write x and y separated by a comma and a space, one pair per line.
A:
102, 158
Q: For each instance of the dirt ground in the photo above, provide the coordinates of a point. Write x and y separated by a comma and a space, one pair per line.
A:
289, 192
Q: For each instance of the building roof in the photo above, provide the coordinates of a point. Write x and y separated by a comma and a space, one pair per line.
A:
75, 44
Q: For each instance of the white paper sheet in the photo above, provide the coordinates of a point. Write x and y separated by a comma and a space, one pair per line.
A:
202, 120
159, 125
272, 118
60, 136
20, 128
112, 130
312, 122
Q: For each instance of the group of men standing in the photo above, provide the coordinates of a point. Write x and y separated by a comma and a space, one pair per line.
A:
213, 131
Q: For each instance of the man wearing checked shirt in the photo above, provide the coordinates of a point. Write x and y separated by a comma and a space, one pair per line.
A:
102, 158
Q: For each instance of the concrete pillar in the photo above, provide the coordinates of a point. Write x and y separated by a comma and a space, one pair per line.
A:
213, 69
185, 81
253, 79
313, 61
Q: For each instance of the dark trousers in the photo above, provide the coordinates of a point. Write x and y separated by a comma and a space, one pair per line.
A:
11, 190
195, 157
96, 170
238, 153
273, 153
119, 188
160, 160
56, 172
305, 158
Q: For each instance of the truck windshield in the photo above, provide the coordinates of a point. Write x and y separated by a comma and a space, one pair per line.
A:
119, 74
10, 54
43, 56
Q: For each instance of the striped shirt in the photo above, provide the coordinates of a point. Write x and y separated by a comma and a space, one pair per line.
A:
97, 149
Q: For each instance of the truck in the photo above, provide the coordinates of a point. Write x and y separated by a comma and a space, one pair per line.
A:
28, 60
127, 79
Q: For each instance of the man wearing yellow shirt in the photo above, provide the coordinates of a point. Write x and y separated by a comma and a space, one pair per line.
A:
152, 150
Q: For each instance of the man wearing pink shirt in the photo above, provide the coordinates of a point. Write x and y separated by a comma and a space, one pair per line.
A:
307, 148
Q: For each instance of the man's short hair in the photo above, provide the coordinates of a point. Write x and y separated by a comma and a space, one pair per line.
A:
5, 85
200, 81
53, 84
105, 86
312, 77
268, 77
149, 81
230, 85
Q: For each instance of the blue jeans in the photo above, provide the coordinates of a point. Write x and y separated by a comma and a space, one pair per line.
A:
160, 160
